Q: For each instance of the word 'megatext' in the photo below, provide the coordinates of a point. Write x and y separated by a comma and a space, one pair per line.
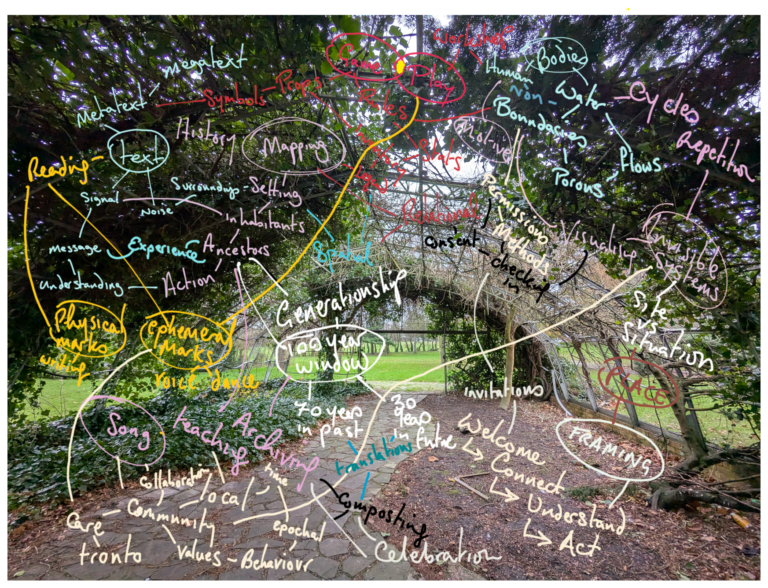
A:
201, 63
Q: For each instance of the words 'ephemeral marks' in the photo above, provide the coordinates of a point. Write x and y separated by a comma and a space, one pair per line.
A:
187, 343
120, 401
311, 152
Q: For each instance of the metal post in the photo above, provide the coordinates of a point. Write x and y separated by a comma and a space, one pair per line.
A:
590, 396
445, 367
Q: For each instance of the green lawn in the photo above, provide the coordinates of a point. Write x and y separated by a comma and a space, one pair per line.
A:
64, 396
715, 426
392, 367
400, 366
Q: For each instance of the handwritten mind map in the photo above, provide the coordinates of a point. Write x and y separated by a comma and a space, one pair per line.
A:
381, 297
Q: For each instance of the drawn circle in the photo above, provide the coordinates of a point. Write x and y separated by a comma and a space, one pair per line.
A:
648, 234
558, 39
630, 401
120, 401
228, 343
117, 320
143, 171
293, 119
599, 471
350, 74
305, 334
484, 120
450, 66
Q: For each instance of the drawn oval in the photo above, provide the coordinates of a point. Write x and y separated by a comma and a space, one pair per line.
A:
458, 131
286, 120
161, 324
350, 74
657, 255
599, 471
450, 67
141, 171
120, 401
311, 332
630, 401
88, 340
540, 43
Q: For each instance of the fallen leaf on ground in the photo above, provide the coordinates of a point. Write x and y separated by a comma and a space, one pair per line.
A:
432, 458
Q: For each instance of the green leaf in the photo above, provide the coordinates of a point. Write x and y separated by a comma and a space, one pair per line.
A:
351, 25
66, 71
395, 31
326, 68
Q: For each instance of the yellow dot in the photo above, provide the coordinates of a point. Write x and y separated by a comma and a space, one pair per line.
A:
400, 67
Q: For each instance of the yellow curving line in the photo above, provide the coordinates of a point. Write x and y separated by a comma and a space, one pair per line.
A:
338, 201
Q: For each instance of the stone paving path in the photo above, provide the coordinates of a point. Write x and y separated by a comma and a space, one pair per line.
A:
334, 558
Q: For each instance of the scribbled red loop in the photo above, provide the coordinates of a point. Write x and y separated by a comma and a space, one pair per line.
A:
619, 371
450, 67
121, 400
351, 74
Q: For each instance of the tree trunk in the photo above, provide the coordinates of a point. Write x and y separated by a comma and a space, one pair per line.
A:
285, 356
671, 498
509, 366
584, 368
695, 448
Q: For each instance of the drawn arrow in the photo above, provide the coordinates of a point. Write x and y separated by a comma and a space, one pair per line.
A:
508, 494
544, 539
477, 454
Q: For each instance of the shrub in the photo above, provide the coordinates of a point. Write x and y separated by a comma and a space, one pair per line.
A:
37, 453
